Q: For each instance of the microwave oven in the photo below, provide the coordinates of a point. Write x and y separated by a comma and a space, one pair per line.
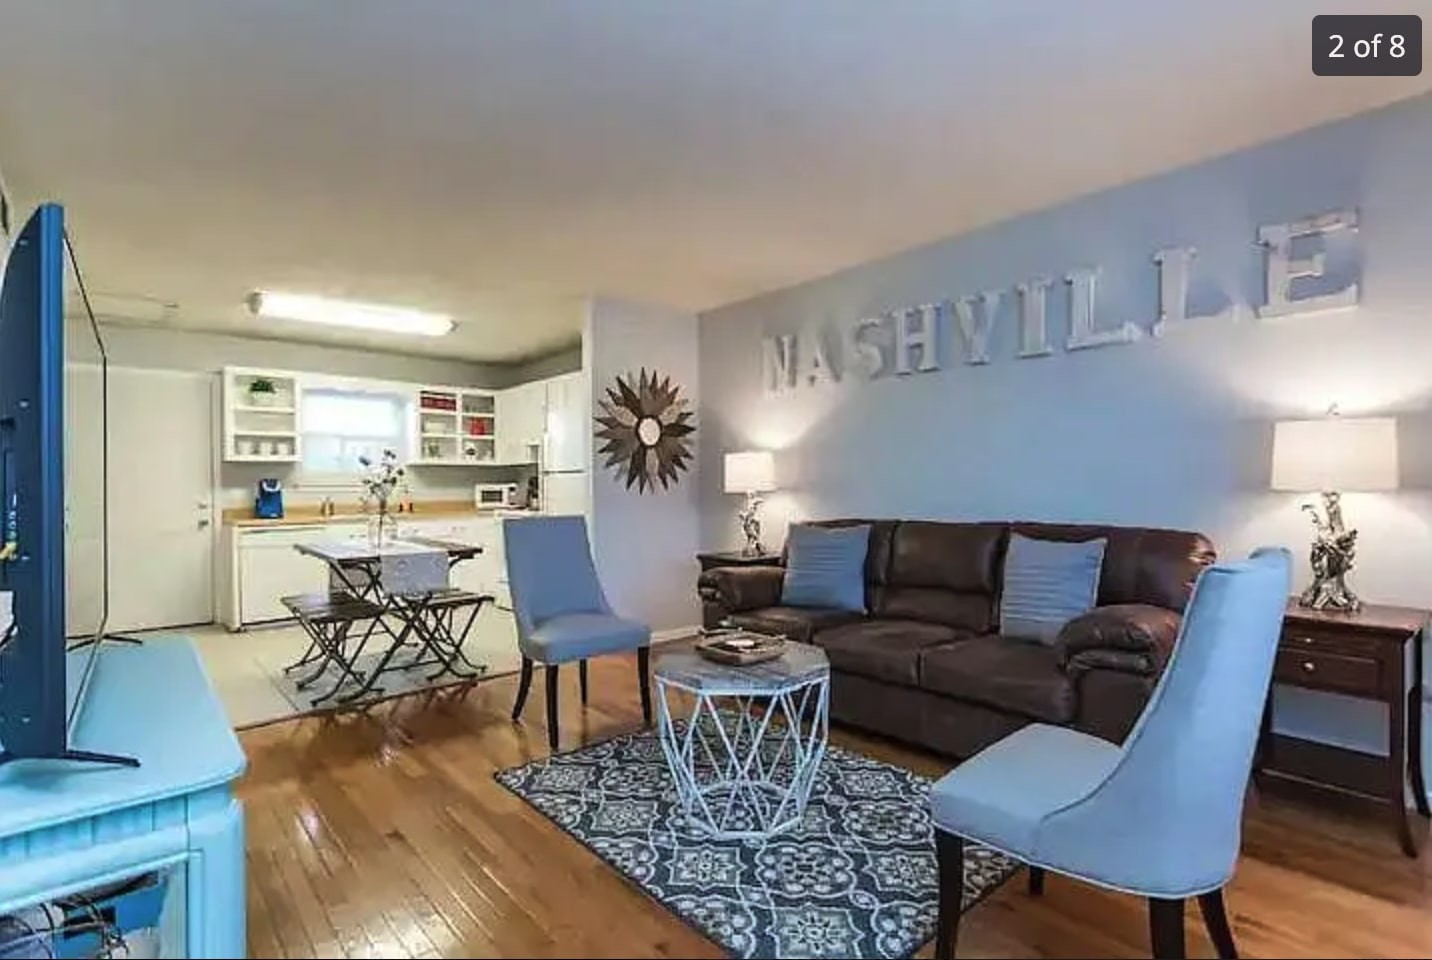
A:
486, 496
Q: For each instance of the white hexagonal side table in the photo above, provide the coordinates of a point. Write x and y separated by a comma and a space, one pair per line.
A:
745, 760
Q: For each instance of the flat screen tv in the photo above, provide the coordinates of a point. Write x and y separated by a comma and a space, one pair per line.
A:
38, 701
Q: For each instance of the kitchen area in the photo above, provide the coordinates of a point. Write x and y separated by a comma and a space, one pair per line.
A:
283, 461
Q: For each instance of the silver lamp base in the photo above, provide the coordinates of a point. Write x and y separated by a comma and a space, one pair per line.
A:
1332, 553
751, 526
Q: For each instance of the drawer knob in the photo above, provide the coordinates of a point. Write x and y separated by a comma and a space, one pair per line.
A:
1306, 640
1309, 666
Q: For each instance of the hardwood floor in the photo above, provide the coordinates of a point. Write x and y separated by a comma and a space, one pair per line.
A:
384, 835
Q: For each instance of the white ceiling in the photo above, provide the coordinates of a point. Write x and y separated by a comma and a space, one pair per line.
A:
501, 159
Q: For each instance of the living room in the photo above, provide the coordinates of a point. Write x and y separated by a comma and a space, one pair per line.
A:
1005, 521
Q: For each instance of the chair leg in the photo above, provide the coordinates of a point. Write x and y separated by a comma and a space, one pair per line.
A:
643, 677
582, 677
1036, 881
950, 852
551, 671
1166, 928
524, 684
1216, 920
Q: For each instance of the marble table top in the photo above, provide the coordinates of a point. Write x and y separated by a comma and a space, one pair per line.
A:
800, 664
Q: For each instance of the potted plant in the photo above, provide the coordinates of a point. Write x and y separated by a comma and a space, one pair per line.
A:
262, 392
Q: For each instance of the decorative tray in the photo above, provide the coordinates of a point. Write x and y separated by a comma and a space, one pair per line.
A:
739, 648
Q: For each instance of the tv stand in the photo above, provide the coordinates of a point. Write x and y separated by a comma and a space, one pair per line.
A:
66, 827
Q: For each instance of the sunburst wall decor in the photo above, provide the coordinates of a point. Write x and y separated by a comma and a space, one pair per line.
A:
646, 429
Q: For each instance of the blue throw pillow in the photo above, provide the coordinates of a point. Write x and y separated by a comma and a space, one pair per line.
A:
1047, 583
825, 567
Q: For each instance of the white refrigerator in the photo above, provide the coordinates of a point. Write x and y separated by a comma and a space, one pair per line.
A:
566, 447
565, 492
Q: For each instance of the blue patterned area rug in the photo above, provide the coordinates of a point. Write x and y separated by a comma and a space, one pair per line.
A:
857, 877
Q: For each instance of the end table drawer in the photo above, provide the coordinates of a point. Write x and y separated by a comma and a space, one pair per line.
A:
1341, 642
1328, 671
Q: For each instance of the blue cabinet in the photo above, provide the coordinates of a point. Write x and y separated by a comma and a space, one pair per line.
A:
67, 828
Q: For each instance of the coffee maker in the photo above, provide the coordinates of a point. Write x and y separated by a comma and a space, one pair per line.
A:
268, 502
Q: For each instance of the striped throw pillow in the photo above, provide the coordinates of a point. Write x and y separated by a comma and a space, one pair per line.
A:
825, 567
1047, 583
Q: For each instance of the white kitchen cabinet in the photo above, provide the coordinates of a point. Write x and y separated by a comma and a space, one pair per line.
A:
494, 640
454, 426
270, 568
521, 415
261, 416
567, 437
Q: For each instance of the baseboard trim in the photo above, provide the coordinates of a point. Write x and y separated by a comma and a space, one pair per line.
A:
675, 633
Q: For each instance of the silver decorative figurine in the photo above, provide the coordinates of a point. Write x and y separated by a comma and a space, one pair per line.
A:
751, 472
751, 526
1333, 550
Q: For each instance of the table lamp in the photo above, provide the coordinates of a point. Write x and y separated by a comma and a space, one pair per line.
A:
753, 473
1332, 456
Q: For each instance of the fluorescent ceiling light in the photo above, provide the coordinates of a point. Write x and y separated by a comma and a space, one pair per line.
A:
346, 313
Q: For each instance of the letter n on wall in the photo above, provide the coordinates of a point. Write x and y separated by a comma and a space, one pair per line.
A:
778, 363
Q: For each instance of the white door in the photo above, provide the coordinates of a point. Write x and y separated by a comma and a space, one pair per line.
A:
567, 429
84, 568
161, 518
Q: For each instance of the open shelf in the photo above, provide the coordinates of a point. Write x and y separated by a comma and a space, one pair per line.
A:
261, 458
266, 431
286, 434
252, 408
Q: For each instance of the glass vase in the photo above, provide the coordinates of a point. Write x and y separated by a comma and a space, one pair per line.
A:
382, 527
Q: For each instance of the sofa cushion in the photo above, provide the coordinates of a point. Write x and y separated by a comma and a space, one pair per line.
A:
883, 649
1016, 675
1047, 583
825, 567
797, 623
960, 557
967, 612
942, 573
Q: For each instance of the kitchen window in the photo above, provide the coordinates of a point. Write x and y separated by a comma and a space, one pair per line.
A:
339, 426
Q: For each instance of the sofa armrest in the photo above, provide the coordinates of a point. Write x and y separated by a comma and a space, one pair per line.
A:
737, 589
1132, 638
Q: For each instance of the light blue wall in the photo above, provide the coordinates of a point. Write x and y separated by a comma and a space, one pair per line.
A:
1174, 431
645, 544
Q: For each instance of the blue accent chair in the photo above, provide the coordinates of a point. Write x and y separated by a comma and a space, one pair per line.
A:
1159, 816
562, 613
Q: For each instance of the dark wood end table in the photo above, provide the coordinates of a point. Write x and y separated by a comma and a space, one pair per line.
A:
1362, 655
735, 558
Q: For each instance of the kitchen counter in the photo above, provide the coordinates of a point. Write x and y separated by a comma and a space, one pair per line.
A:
309, 515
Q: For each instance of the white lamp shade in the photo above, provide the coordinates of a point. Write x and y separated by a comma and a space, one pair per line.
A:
1337, 454
753, 471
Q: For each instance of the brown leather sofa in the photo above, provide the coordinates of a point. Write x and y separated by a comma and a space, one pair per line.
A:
927, 664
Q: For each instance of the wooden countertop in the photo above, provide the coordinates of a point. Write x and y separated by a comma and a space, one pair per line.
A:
308, 514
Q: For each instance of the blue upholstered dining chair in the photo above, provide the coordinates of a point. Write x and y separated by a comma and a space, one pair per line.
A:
1160, 816
562, 613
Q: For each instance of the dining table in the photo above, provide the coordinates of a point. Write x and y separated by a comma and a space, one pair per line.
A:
390, 606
